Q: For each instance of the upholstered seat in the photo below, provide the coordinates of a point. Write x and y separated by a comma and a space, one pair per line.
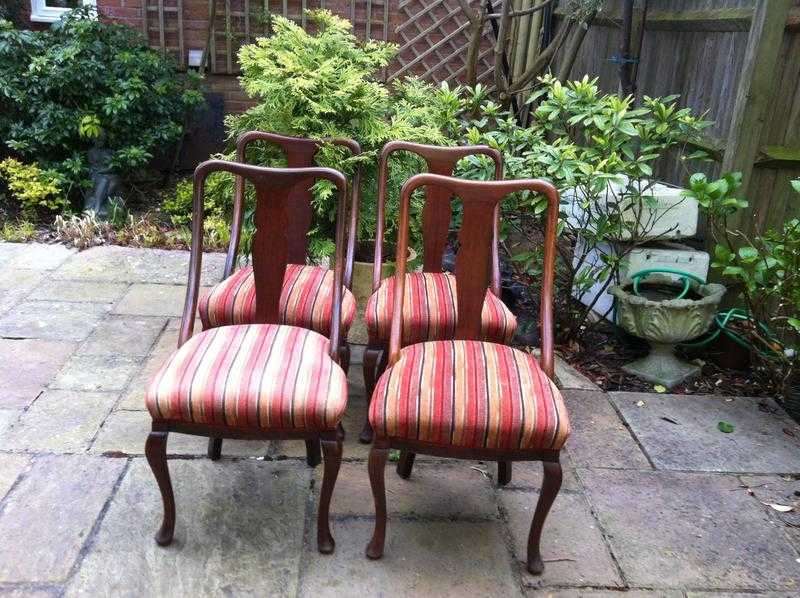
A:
261, 376
430, 311
306, 300
469, 394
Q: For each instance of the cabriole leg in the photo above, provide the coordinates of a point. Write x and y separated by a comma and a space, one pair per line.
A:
377, 464
550, 487
332, 450
155, 449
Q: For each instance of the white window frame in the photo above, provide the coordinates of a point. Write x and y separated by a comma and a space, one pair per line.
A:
41, 13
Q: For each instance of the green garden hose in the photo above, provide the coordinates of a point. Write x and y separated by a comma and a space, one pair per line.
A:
687, 278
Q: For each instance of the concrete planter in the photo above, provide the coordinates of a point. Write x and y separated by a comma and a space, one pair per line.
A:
665, 323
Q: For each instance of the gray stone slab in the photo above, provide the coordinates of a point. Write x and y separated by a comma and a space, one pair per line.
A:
599, 437
11, 466
457, 490
689, 530
101, 373
79, 291
567, 377
16, 285
125, 432
789, 594
34, 256
128, 264
573, 548
421, 558
239, 533
589, 593
59, 421
776, 490
52, 320
693, 442
527, 475
124, 335
7, 418
165, 345
50, 514
153, 300
29, 591
27, 367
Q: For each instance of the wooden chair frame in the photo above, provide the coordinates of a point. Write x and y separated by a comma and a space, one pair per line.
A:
299, 153
275, 191
436, 217
473, 270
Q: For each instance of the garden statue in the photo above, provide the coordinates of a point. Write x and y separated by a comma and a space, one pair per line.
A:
665, 311
105, 182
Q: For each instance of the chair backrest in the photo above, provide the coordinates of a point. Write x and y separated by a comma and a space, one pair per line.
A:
438, 210
299, 153
272, 242
481, 200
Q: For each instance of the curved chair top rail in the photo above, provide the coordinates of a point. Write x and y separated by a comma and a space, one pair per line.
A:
437, 211
271, 241
480, 200
299, 153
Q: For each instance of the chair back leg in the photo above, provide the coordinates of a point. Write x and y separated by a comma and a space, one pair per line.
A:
405, 464
214, 448
155, 449
369, 365
503, 473
313, 454
378, 456
550, 487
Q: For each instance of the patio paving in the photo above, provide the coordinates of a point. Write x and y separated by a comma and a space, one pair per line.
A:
656, 501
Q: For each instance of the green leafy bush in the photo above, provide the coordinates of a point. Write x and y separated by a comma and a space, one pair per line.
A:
765, 271
35, 190
326, 85
84, 82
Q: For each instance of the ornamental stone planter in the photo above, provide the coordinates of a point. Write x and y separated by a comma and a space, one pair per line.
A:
664, 324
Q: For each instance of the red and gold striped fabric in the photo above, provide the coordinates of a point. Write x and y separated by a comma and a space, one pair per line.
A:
430, 311
469, 394
306, 300
260, 376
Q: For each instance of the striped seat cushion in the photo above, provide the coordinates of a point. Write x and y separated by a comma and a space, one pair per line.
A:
259, 376
306, 300
469, 394
430, 311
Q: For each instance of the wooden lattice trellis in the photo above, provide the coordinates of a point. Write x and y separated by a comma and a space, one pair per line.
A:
433, 37
162, 25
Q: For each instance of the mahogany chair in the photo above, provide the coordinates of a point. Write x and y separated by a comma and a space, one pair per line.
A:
467, 398
429, 311
263, 380
307, 291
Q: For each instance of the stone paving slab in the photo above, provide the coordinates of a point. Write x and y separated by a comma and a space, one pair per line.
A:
127, 264
588, 593
50, 513
34, 256
527, 475
52, 320
450, 491
442, 559
7, 418
16, 285
27, 367
11, 466
101, 373
757, 444
599, 437
124, 335
78, 291
59, 421
776, 490
239, 532
153, 300
689, 531
573, 548
125, 432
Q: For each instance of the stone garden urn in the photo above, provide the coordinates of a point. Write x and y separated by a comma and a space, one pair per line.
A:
665, 322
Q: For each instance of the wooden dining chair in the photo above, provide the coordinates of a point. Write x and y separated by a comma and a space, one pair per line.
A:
464, 397
307, 291
430, 308
265, 379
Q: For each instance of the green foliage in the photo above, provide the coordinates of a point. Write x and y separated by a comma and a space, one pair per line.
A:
600, 151
764, 268
18, 232
326, 85
83, 82
34, 189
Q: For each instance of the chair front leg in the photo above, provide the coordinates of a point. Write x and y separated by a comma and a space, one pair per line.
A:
332, 450
377, 464
313, 454
214, 448
503, 473
155, 449
550, 487
369, 365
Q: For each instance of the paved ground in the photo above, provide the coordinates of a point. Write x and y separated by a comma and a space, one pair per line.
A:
656, 500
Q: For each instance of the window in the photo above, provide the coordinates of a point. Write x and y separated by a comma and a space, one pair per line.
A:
49, 11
